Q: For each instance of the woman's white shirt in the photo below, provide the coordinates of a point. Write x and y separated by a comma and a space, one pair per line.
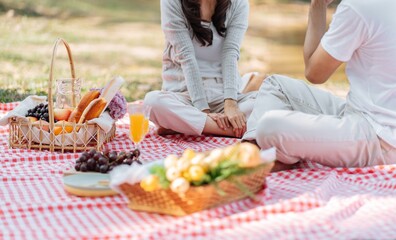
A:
209, 57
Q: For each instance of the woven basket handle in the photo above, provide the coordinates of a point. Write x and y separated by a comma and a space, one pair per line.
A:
51, 77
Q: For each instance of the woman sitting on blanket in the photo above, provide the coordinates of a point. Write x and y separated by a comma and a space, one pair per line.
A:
303, 122
200, 69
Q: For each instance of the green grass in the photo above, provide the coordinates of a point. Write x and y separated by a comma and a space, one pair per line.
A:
123, 37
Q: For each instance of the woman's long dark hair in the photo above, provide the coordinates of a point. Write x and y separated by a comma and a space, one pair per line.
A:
192, 12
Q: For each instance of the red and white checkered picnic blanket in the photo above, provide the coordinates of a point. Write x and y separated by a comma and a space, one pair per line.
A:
311, 203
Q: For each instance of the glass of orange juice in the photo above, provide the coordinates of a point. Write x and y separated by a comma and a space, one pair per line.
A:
139, 121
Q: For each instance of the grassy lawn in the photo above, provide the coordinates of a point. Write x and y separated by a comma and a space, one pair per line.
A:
123, 37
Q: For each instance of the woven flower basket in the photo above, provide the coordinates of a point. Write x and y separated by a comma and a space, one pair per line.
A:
196, 199
85, 136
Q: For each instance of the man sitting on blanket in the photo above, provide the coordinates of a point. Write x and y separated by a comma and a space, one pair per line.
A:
303, 122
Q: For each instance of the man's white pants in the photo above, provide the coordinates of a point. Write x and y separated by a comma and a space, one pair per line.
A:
306, 123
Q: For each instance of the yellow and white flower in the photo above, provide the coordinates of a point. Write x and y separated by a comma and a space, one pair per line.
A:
180, 185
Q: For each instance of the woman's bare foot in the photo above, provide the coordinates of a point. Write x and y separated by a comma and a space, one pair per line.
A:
254, 82
164, 131
279, 166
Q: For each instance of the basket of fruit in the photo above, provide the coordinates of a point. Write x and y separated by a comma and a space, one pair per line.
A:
198, 181
74, 128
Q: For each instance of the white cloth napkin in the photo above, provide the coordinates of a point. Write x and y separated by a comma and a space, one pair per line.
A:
21, 110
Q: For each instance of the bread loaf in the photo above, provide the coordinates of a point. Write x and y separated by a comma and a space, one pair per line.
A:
82, 105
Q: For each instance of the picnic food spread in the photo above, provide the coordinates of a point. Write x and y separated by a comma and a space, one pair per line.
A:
181, 184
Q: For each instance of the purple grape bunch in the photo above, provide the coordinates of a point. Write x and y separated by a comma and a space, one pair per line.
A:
103, 162
40, 112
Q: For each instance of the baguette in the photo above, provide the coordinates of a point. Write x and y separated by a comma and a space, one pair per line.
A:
82, 105
93, 110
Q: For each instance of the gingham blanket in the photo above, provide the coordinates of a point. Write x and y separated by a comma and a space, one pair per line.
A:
311, 203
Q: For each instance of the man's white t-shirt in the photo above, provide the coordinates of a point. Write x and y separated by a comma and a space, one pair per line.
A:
363, 34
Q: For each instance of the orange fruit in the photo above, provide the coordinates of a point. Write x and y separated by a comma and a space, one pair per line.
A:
62, 127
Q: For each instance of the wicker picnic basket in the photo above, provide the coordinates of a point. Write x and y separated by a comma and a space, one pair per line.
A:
85, 136
165, 201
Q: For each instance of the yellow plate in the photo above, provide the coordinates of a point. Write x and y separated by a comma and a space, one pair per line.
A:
88, 184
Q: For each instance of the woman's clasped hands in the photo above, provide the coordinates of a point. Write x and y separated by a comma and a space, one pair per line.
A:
232, 117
